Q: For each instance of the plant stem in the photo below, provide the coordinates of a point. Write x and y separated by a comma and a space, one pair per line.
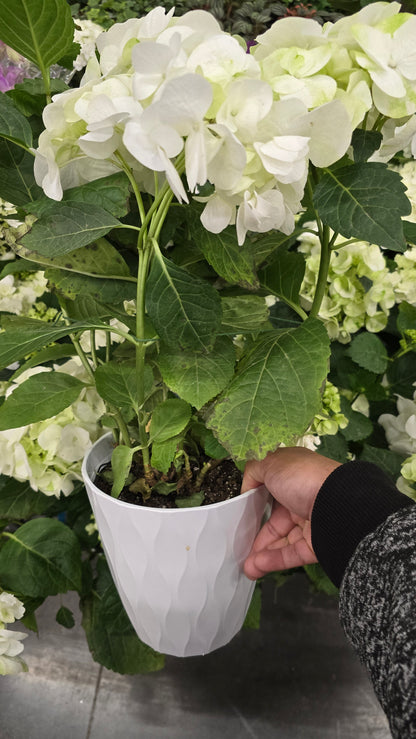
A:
323, 272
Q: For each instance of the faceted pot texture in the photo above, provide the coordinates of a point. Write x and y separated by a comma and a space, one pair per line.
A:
179, 572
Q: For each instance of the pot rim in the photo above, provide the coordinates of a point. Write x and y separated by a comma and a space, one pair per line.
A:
163, 511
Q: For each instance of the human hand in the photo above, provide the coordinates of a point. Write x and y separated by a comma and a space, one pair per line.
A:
294, 476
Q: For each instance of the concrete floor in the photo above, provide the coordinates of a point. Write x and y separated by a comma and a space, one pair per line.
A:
296, 678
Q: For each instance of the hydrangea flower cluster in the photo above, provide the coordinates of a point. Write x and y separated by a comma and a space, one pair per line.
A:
330, 420
348, 305
48, 454
174, 95
13, 68
400, 433
11, 608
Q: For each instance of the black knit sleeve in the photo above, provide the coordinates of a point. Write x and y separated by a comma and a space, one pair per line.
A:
378, 614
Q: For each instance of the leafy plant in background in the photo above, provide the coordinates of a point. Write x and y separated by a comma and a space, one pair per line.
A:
197, 228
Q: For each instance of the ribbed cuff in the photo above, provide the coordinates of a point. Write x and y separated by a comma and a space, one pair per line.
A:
353, 501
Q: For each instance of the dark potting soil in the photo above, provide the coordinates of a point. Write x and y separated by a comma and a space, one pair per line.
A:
221, 482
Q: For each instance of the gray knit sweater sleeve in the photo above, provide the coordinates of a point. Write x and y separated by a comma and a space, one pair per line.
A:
378, 613
364, 536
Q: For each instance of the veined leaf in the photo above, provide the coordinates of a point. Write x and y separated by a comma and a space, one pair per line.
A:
21, 336
169, 419
284, 276
232, 262
40, 30
365, 143
17, 181
369, 352
67, 226
185, 311
40, 396
41, 558
13, 125
353, 201
19, 501
117, 383
276, 392
198, 377
110, 193
121, 460
243, 313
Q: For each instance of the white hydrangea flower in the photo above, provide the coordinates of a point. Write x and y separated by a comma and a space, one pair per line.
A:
86, 34
18, 293
400, 430
10, 642
11, 608
48, 454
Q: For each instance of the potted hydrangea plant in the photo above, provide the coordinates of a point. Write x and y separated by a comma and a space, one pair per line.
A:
163, 198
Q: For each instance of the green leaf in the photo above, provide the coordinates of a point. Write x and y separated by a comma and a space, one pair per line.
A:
19, 501
41, 558
17, 181
65, 617
264, 245
320, 579
232, 262
117, 383
352, 201
252, 619
401, 375
110, 193
275, 393
390, 462
40, 30
243, 314
121, 460
163, 453
406, 320
21, 336
409, 228
50, 354
334, 447
185, 311
369, 352
110, 635
359, 426
192, 501
29, 95
72, 285
13, 125
284, 276
169, 418
198, 377
40, 396
66, 226
365, 143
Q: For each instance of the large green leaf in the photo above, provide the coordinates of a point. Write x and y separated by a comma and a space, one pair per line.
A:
110, 193
369, 352
364, 201
232, 262
117, 383
29, 95
66, 226
276, 392
96, 270
21, 336
41, 30
19, 501
110, 635
198, 377
13, 125
243, 313
284, 276
365, 143
185, 311
169, 419
40, 396
17, 182
41, 558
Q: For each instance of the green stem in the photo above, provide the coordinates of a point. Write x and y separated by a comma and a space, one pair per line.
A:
323, 272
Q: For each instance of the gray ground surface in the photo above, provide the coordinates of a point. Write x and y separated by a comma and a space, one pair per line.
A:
296, 678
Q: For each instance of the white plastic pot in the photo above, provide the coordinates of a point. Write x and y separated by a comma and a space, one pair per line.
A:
178, 571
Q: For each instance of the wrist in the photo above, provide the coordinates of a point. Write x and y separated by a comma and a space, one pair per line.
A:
352, 502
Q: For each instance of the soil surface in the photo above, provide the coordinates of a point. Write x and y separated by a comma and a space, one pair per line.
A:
221, 482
